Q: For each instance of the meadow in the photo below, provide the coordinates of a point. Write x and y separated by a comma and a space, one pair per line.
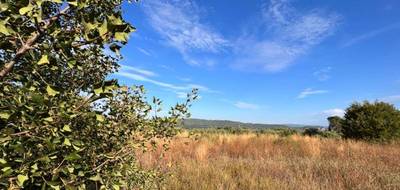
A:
270, 161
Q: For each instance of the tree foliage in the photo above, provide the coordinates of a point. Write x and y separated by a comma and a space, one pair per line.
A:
63, 125
377, 121
335, 124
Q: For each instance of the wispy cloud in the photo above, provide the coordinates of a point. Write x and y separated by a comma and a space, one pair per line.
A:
138, 70
245, 105
294, 34
371, 34
334, 112
181, 95
144, 51
391, 99
178, 22
309, 91
142, 78
323, 74
146, 76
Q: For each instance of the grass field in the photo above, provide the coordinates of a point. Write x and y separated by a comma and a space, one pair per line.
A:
250, 161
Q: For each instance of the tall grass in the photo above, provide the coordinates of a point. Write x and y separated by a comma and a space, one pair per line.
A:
250, 161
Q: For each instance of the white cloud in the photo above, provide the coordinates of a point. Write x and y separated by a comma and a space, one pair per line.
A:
371, 34
309, 91
323, 74
244, 105
334, 112
137, 70
293, 35
391, 99
144, 51
178, 22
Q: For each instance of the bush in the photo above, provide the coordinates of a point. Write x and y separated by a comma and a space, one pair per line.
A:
285, 132
311, 131
376, 121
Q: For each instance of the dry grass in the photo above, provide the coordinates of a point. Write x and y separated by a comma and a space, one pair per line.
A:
249, 161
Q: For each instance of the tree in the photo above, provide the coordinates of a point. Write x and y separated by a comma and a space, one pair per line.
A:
63, 125
376, 121
335, 124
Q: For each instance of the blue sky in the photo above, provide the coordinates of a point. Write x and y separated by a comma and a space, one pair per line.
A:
265, 61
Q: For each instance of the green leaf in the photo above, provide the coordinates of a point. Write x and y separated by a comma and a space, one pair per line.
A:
48, 119
115, 21
116, 187
3, 6
99, 117
26, 9
121, 36
72, 156
57, 1
4, 115
6, 169
70, 169
45, 159
74, 3
3, 28
95, 178
103, 29
98, 91
89, 26
51, 91
55, 187
67, 128
34, 167
21, 179
2, 161
43, 60
67, 142
71, 63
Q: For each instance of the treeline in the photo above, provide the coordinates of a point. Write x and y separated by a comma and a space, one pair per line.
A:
376, 121
202, 123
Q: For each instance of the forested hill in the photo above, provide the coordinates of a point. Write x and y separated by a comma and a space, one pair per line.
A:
203, 123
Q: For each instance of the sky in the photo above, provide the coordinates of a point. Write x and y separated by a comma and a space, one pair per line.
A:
265, 61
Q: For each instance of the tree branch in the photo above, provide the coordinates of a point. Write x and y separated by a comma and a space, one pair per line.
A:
28, 45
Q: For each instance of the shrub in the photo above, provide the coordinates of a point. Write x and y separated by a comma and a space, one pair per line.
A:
311, 131
285, 132
372, 121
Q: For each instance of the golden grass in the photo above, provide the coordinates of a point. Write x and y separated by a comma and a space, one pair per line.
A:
252, 161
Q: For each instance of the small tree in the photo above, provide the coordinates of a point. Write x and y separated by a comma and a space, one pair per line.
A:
62, 124
371, 121
335, 124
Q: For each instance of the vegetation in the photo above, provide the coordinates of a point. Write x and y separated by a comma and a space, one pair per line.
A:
63, 125
265, 161
376, 121
202, 123
335, 124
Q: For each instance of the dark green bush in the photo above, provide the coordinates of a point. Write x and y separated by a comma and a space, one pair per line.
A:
376, 121
311, 131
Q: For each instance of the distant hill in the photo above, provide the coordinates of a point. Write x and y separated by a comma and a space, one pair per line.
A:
203, 123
